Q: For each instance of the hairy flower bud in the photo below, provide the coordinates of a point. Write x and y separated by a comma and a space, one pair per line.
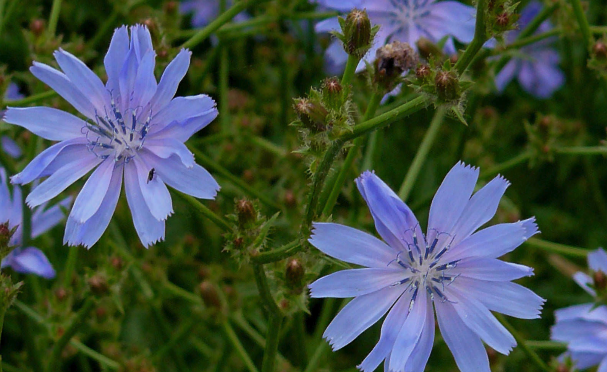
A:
423, 72
599, 50
502, 20
246, 212
331, 86
357, 33
447, 85
312, 114
428, 49
294, 274
391, 61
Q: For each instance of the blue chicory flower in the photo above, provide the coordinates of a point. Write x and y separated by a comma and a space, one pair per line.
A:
27, 260
6, 143
205, 11
584, 327
452, 267
402, 20
133, 128
537, 68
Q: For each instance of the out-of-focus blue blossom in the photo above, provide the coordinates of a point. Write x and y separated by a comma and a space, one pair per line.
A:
205, 11
27, 260
133, 128
452, 267
537, 69
402, 20
584, 327
6, 143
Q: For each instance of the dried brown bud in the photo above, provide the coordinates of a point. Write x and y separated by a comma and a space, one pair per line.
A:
357, 33
98, 285
599, 50
61, 294
294, 273
150, 23
290, 198
447, 85
332, 86
37, 26
453, 59
423, 72
312, 114
391, 61
209, 295
600, 281
246, 212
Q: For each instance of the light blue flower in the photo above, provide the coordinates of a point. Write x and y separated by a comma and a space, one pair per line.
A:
28, 260
405, 21
452, 267
6, 143
537, 68
205, 11
584, 327
133, 128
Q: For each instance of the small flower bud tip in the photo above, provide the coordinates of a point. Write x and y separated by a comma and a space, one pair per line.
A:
357, 33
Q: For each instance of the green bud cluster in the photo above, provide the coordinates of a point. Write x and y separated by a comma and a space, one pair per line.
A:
501, 17
356, 33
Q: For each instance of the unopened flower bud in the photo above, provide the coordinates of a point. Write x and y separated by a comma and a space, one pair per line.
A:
423, 72
209, 295
391, 61
312, 114
294, 274
600, 281
246, 212
428, 49
357, 33
98, 285
502, 20
599, 50
331, 86
447, 85
37, 26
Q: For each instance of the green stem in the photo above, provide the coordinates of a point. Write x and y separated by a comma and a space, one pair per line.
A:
299, 338
422, 154
278, 254
523, 344
578, 11
346, 79
272, 338
268, 146
500, 168
537, 21
74, 327
557, 248
26, 226
370, 150
70, 266
320, 351
207, 162
224, 72
547, 345
598, 29
182, 293
264, 291
205, 211
184, 331
352, 152
581, 150
222, 19
32, 99
54, 18
521, 42
2, 6
231, 335
480, 37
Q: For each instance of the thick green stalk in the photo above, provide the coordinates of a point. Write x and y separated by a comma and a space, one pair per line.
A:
352, 152
224, 18
547, 345
422, 154
70, 266
264, 291
278, 254
523, 344
499, 168
536, 22
557, 248
480, 37
272, 339
578, 11
81, 316
237, 345
521, 42
346, 79
54, 18
32, 99
205, 211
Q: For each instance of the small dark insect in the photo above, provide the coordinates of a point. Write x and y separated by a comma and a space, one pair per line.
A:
151, 174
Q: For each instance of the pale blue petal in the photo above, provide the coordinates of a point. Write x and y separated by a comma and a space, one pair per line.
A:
145, 82
503, 297
585, 360
465, 345
92, 194
170, 79
195, 181
451, 199
29, 261
126, 78
46, 122
5, 196
505, 76
61, 179
341, 5
10, 147
420, 355
355, 282
569, 330
411, 331
166, 147
45, 219
154, 191
182, 108
589, 344
393, 218
602, 366
183, 131
584, 281
491, 269
358, 315
84, 79
351, 245
597, 260
480, 209
335, 58
141, 40
149, 229
73, 148
64, 87
451, 18
88, 234
115, 57
480, 320
328, 25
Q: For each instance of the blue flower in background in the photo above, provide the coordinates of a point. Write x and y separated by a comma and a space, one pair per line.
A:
134, 128
537, 70
205, 11
452, 267
584, 327
405, 21
27, 260
6, 143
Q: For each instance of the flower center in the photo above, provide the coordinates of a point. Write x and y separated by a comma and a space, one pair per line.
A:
425, 267
117, 135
